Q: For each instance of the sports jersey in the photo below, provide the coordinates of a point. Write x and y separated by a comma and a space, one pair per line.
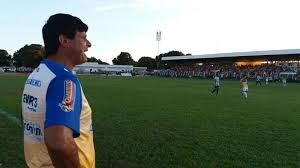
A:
216, 81
244, 83
257, 78
53, 96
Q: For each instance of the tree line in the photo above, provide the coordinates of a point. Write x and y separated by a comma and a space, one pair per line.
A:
32, 55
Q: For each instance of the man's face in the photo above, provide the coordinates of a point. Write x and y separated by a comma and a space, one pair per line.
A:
78, 46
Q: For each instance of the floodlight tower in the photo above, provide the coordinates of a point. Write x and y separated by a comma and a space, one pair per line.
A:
158, 38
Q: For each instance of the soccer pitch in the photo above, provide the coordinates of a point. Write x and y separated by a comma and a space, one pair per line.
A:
149, 122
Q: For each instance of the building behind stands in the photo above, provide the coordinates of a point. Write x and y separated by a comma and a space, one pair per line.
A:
95, 68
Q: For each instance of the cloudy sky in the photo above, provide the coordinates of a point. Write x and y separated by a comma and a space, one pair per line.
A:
190, 26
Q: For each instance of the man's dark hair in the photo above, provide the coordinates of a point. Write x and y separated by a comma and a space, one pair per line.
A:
60, 24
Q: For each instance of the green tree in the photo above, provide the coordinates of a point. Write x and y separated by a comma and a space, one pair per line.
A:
29, 55
147, 62
5, 58
163, 65
173, 53
93, 59
124, 58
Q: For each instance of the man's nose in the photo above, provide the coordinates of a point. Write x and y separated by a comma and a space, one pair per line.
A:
89, 44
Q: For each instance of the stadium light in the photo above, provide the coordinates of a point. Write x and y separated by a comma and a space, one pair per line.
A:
158, 38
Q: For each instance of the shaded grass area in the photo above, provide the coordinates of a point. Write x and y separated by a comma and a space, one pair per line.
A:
165, 122
11, 134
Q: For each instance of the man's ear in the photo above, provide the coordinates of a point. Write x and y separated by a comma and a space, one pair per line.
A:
63, 41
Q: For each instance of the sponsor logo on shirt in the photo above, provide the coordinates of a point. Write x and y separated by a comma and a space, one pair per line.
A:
67, 104
34, 82
31, 102
33, 130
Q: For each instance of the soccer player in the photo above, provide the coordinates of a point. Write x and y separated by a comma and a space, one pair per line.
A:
267, 80
244, 86
216, 85
284, 78
56, 116
258, 80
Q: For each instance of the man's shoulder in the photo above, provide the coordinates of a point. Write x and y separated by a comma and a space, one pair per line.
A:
58, 69
41, 74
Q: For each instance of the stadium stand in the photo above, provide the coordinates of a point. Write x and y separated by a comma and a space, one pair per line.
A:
268, 64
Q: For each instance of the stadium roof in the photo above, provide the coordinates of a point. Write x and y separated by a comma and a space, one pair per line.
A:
266, 55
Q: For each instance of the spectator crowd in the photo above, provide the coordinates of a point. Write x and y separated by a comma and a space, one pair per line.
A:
231, 71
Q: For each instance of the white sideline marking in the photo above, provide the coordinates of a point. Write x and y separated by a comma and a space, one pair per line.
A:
10, 117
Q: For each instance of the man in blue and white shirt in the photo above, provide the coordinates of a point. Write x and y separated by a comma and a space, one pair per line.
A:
57, 118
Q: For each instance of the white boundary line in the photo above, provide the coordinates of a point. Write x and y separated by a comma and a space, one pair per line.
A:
10, 117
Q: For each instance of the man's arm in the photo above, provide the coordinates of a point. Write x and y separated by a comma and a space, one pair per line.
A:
61, 147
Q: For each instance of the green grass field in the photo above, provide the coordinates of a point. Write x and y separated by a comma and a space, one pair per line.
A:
162, 122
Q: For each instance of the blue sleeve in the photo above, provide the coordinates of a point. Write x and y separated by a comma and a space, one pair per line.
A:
63, 104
